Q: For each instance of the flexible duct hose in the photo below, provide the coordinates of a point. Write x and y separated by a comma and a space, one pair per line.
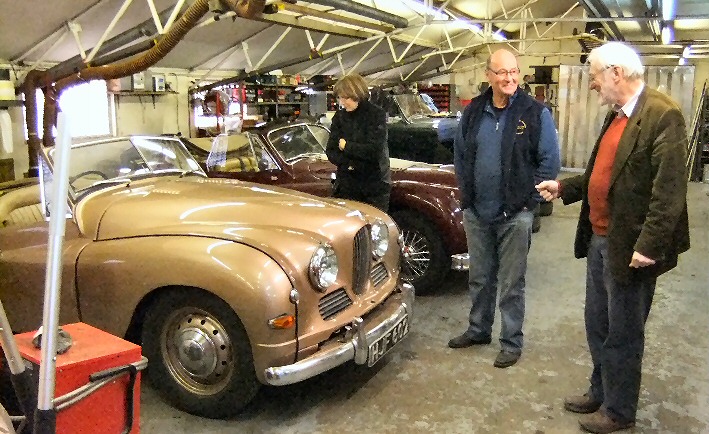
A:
243, 8
29, 88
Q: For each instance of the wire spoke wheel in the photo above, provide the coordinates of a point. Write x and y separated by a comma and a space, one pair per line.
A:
425, 261
416, 255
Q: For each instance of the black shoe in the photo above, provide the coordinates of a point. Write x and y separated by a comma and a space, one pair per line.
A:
536, 224
505, 359
464, 340
583, 404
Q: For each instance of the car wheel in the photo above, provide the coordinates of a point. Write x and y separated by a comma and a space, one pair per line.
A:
425, 261
199, 356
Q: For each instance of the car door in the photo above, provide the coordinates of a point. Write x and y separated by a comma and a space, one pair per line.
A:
23, 264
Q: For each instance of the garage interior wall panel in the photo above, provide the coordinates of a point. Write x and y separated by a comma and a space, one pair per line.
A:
580, 115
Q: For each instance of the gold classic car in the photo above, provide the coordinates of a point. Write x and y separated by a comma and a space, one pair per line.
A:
225, 284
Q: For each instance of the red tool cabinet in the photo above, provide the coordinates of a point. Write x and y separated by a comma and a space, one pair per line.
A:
93, 350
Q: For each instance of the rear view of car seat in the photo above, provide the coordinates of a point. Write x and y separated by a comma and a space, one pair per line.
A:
21, 206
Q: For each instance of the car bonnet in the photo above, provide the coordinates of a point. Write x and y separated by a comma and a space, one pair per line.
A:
220, 208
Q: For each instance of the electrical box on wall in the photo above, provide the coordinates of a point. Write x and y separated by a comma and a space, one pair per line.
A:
158, 82
138, 81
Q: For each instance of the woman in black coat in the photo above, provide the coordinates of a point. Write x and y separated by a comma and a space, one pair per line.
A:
358, 145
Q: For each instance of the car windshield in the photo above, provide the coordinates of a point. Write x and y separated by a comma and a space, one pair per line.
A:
412, 106
243, 152
299, 141
108, 162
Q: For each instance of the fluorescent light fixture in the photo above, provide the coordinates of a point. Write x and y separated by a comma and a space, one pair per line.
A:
498, 36
475, 28
669, 8
682, 61
667, 35
424, 10
687, 51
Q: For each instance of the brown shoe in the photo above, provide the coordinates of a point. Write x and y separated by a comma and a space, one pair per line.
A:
581, 404
600, 423
505, 359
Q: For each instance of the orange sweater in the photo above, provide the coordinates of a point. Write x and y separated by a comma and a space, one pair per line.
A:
600, 181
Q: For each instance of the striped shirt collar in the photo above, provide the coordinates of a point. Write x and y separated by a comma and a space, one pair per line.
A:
627, 109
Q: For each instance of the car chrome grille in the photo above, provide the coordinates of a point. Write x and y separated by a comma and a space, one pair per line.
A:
361, 260
334, 303
379, 274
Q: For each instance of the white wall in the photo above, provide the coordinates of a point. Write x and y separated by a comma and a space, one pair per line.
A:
163, 114
19, 153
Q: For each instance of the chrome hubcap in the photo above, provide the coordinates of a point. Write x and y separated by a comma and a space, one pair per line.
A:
198, 351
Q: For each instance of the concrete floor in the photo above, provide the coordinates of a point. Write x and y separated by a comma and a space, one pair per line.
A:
425, 387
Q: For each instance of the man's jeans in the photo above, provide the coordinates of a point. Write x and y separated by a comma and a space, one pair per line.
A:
498, 257
615, 328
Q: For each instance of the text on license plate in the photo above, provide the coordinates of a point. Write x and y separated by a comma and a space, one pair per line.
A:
385, 343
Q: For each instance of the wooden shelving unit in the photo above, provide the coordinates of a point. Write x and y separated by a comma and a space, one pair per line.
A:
441, 95
273, 100
259, 98
7, 103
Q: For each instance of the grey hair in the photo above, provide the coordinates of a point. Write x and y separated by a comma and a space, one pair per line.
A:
618, 54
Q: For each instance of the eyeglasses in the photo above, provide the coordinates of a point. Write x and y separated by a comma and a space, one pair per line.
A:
592, 76
503, 72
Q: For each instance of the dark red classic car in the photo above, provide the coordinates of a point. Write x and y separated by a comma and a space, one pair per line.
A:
424, 201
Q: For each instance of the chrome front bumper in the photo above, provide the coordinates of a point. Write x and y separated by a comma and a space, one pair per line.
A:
354, 346
460, 262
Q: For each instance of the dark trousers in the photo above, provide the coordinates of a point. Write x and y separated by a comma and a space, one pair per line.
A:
615, 317
379, 199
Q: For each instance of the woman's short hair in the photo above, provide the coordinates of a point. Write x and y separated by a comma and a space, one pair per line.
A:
352, 86
618, 54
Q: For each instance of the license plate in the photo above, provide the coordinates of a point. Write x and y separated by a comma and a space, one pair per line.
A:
385, 343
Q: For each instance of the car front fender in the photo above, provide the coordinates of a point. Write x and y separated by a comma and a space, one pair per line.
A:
114, 277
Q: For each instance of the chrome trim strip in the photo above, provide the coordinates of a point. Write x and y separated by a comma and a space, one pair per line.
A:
460, 262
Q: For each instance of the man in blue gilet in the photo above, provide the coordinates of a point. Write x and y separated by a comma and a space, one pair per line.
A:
506, 142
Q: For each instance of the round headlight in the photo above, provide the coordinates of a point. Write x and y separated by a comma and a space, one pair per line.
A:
323, 267
380, 239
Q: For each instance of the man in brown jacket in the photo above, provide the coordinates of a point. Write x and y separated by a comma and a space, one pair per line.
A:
632, 227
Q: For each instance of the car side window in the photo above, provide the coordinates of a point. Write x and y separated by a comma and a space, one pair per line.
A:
321, 134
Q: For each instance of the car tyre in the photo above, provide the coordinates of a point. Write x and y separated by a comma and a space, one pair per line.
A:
425, 260
199, 355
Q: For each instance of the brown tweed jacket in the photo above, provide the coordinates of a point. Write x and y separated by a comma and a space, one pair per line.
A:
648, 191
